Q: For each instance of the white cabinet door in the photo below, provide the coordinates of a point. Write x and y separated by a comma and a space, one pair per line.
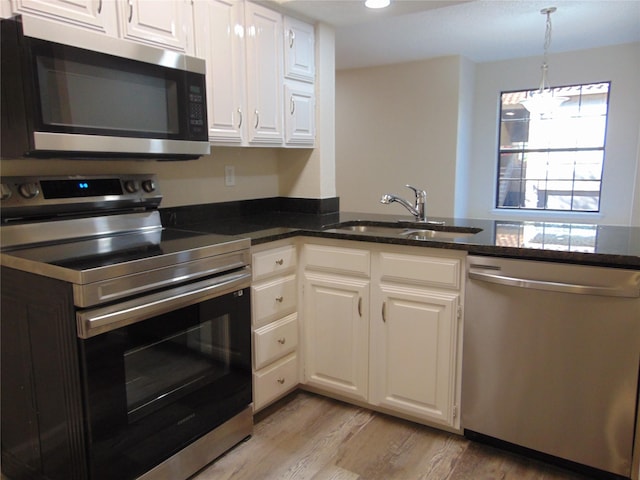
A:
263, 35
414, 347
167, 24
337, 333
96, 15
299, 50
220, 41
300, 115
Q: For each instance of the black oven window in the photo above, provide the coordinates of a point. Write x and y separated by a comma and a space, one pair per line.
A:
163, 366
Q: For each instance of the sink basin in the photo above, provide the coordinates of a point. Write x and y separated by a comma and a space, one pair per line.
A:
373, 229
426, 234
408, 232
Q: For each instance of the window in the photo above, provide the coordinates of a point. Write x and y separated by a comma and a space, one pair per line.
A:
553, 161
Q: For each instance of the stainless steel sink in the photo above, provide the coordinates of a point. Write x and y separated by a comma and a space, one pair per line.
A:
373, 229
426, 234
408, 232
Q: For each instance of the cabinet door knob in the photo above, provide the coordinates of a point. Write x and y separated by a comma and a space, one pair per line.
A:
279, 299
292, 105
240, 115
384, 311
360, 306
257, 118
282, 341
130, 10
281, 380
280, 261
100, 7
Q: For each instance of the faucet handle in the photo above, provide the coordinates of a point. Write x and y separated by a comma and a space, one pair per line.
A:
420, 194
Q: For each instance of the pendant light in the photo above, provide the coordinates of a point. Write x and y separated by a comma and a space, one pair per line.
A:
543, 101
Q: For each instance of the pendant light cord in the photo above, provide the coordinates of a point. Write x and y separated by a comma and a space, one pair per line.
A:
544, 84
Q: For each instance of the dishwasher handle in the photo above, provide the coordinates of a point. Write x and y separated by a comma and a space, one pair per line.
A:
618, 291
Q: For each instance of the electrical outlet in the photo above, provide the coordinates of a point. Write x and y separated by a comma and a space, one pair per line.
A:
229, 175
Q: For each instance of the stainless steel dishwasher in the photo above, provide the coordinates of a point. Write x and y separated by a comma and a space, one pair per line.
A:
551, 359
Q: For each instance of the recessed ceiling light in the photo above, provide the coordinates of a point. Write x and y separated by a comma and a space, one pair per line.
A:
377, 3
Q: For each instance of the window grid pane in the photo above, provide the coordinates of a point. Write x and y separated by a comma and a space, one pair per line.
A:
553, 161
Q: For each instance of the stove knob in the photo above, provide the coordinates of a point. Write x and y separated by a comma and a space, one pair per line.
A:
5, 192
131, 186
148, 186
29, 190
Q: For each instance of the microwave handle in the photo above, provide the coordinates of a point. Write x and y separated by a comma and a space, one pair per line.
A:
105, 319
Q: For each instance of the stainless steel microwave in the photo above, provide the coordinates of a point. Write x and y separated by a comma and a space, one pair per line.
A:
70, 93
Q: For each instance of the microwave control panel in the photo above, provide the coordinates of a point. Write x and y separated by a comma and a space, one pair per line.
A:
197, 110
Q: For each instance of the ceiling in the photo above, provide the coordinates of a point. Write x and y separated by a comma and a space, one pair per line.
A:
481, 30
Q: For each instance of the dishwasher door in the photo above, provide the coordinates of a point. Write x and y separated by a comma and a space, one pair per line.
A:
551, 358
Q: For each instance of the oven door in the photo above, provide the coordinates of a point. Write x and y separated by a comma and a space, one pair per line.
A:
156, 385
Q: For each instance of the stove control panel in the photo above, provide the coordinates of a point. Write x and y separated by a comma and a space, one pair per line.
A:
65, 195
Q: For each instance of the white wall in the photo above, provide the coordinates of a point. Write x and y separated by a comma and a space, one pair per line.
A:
397, 125
465, 117
618, 64
181, 183
434, 124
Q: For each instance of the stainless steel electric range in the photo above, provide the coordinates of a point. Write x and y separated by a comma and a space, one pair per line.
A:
126, 349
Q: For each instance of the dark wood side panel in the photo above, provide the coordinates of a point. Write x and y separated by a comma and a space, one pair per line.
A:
42, 416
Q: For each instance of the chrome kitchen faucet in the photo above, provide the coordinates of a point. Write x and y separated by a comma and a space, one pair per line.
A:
419, 210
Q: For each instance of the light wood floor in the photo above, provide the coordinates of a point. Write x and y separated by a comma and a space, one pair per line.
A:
307, 436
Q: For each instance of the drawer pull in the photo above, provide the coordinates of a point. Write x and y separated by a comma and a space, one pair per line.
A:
279, 299
281, 380
360, 306
279, 261
282, 341
384, 311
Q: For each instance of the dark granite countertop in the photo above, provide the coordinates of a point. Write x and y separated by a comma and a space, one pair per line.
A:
564, 242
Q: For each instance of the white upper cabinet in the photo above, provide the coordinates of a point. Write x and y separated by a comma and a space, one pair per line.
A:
219, 30
263, 34
299, 50
243, 45
157, 22
96, 15
300, 113
166, 24
299, 83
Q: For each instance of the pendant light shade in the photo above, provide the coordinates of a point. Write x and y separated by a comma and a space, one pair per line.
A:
377, 3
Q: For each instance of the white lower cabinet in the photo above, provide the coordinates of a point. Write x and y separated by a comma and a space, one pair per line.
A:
413, 346
274, 381
337, 332
382, 326
274, 322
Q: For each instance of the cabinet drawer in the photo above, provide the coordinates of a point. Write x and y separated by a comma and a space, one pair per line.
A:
274, 381
273, 299
275, 340
274, 262
337, 259
424, 270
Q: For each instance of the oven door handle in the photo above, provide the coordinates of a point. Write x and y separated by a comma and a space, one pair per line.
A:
105, 319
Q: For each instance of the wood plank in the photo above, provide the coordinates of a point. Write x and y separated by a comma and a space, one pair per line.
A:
307, 436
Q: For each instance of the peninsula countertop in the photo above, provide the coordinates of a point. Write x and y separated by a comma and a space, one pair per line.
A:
590, 244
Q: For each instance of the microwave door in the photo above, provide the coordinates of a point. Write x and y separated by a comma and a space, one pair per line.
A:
82, 102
